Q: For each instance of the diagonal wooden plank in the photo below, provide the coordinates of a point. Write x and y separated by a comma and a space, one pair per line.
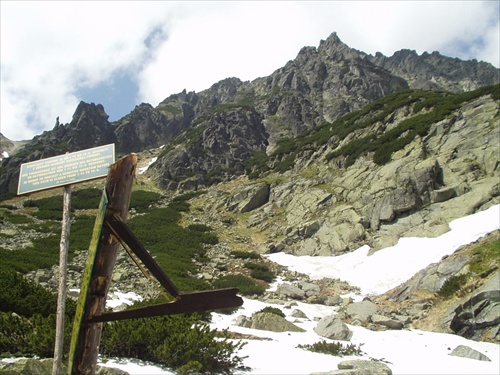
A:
187, 303
128, 240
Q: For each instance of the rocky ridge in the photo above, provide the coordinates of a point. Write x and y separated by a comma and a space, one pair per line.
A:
318, 86
319, 206
311, 210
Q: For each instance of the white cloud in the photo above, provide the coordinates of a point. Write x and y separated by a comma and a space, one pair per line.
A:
50, 50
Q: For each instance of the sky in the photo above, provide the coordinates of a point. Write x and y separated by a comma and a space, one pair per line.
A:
407, 351
120, 54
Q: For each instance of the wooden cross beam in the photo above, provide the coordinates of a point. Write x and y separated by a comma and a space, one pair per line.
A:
184, 302
110, 231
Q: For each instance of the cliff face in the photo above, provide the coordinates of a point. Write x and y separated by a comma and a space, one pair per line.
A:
320, 203
210, 136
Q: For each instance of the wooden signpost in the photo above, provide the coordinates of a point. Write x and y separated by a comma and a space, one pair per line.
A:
110, 232
64, 170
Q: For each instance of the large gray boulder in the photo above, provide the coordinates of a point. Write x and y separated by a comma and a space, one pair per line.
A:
431, 278
478, 314
333, 328
250, 198
359, 367
361, 311
286, 290
268, 322
466, 352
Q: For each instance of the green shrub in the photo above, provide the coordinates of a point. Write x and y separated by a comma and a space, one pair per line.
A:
336, 348
14, 335
256, 164
141, 200
486, 257
26, 298
7, 196
272, 310
260, 271
173, 246
8, 206
85, 199
44, 252
32, 330
453, 285
170, 108
199, 228
246, 285
18, 219
177, 341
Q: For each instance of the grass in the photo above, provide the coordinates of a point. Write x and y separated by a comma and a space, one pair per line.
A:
428, 107
336, 348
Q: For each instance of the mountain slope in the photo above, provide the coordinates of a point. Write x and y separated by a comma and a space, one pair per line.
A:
317, 87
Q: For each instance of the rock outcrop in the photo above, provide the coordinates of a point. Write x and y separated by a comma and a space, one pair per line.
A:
268, 322
477, 316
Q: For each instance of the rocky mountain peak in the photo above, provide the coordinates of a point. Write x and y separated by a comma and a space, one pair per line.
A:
335, 49
89, 127
317, 87
92, 110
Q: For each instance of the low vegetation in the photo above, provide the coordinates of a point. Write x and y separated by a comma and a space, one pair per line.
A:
27, 310
427, 108
485, 258
27, 317
183, 342
272, 310
335, 348
260, 271
239, 254
246, 285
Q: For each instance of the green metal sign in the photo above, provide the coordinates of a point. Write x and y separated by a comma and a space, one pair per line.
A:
80, 308
66, 169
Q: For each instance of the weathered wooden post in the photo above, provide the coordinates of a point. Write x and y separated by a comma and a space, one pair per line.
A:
61, 296
64, 170
118, 188
110, 231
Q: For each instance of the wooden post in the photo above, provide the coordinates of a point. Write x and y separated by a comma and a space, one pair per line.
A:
61, 296
118, 188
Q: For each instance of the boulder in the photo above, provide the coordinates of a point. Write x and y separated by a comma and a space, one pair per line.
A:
310, 289
361, 311
477, 314
363, 367
386, 322
333, 328
466, 352
359, 367
298, 314
430, 278
29, 366
250, 198
443, 194
268, 322
286, 290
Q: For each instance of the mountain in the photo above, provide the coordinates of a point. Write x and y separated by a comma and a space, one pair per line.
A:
209, 136
335, 152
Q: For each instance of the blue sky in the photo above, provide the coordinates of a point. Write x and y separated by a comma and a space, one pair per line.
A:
118, 94
122, 53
